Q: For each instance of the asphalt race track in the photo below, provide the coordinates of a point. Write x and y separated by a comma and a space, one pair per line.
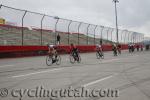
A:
127, 73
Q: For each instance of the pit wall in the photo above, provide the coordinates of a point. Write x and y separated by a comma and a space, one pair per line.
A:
23, 51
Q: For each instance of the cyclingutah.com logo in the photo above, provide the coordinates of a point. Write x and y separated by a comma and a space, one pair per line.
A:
70, 92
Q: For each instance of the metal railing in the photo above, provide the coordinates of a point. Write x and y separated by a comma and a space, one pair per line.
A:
31, 28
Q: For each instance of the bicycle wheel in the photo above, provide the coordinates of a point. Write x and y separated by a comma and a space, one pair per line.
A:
49, 61
97, 55
79, 59
72, 60
102, 56
115, 53
58, 60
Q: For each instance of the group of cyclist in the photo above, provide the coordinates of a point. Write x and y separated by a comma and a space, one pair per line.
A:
133, 46
52, 51
116, 49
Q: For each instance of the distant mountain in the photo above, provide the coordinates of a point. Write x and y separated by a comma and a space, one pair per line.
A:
147, 40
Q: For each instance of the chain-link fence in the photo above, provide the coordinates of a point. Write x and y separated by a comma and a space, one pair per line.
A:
24, 27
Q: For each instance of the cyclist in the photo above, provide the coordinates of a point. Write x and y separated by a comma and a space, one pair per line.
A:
52, 52
99, 49
119, 48
74, 50
129, 47
114, 48
132, 47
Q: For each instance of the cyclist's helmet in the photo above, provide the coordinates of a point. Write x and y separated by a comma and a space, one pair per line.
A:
55, 46
72, 44
51, 46
114, 45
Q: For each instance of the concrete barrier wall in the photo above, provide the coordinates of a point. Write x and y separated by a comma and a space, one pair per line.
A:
21, 51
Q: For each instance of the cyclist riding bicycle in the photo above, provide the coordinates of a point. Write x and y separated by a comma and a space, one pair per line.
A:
74, 50
119, 48
114, 48
52, 52
99, 49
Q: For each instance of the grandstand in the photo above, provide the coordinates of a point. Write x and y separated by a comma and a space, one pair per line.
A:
12, 35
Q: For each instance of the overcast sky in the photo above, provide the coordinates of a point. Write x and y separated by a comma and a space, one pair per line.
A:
133, 15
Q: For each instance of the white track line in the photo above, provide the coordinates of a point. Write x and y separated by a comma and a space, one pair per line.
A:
6, 66
36, 73
99, 80
110, 60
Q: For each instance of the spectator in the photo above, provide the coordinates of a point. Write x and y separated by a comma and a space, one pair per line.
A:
58, 39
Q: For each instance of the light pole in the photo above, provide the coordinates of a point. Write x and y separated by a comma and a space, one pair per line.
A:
116, 1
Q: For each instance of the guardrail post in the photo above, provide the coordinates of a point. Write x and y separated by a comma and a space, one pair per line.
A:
69, 31
111, 34
41, 40
128, 37
23, 27
87, 38
57, 20
139, 38
132, 38
122, 39
79, 33
101, 36
136, 38
125, 37
94, 33
107, 33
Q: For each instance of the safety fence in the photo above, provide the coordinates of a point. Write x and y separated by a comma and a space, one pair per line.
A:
22, 27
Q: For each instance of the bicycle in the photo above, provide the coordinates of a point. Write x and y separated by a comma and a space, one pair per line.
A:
99, 55
115, 53
119, 51
75, 57
51, 60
